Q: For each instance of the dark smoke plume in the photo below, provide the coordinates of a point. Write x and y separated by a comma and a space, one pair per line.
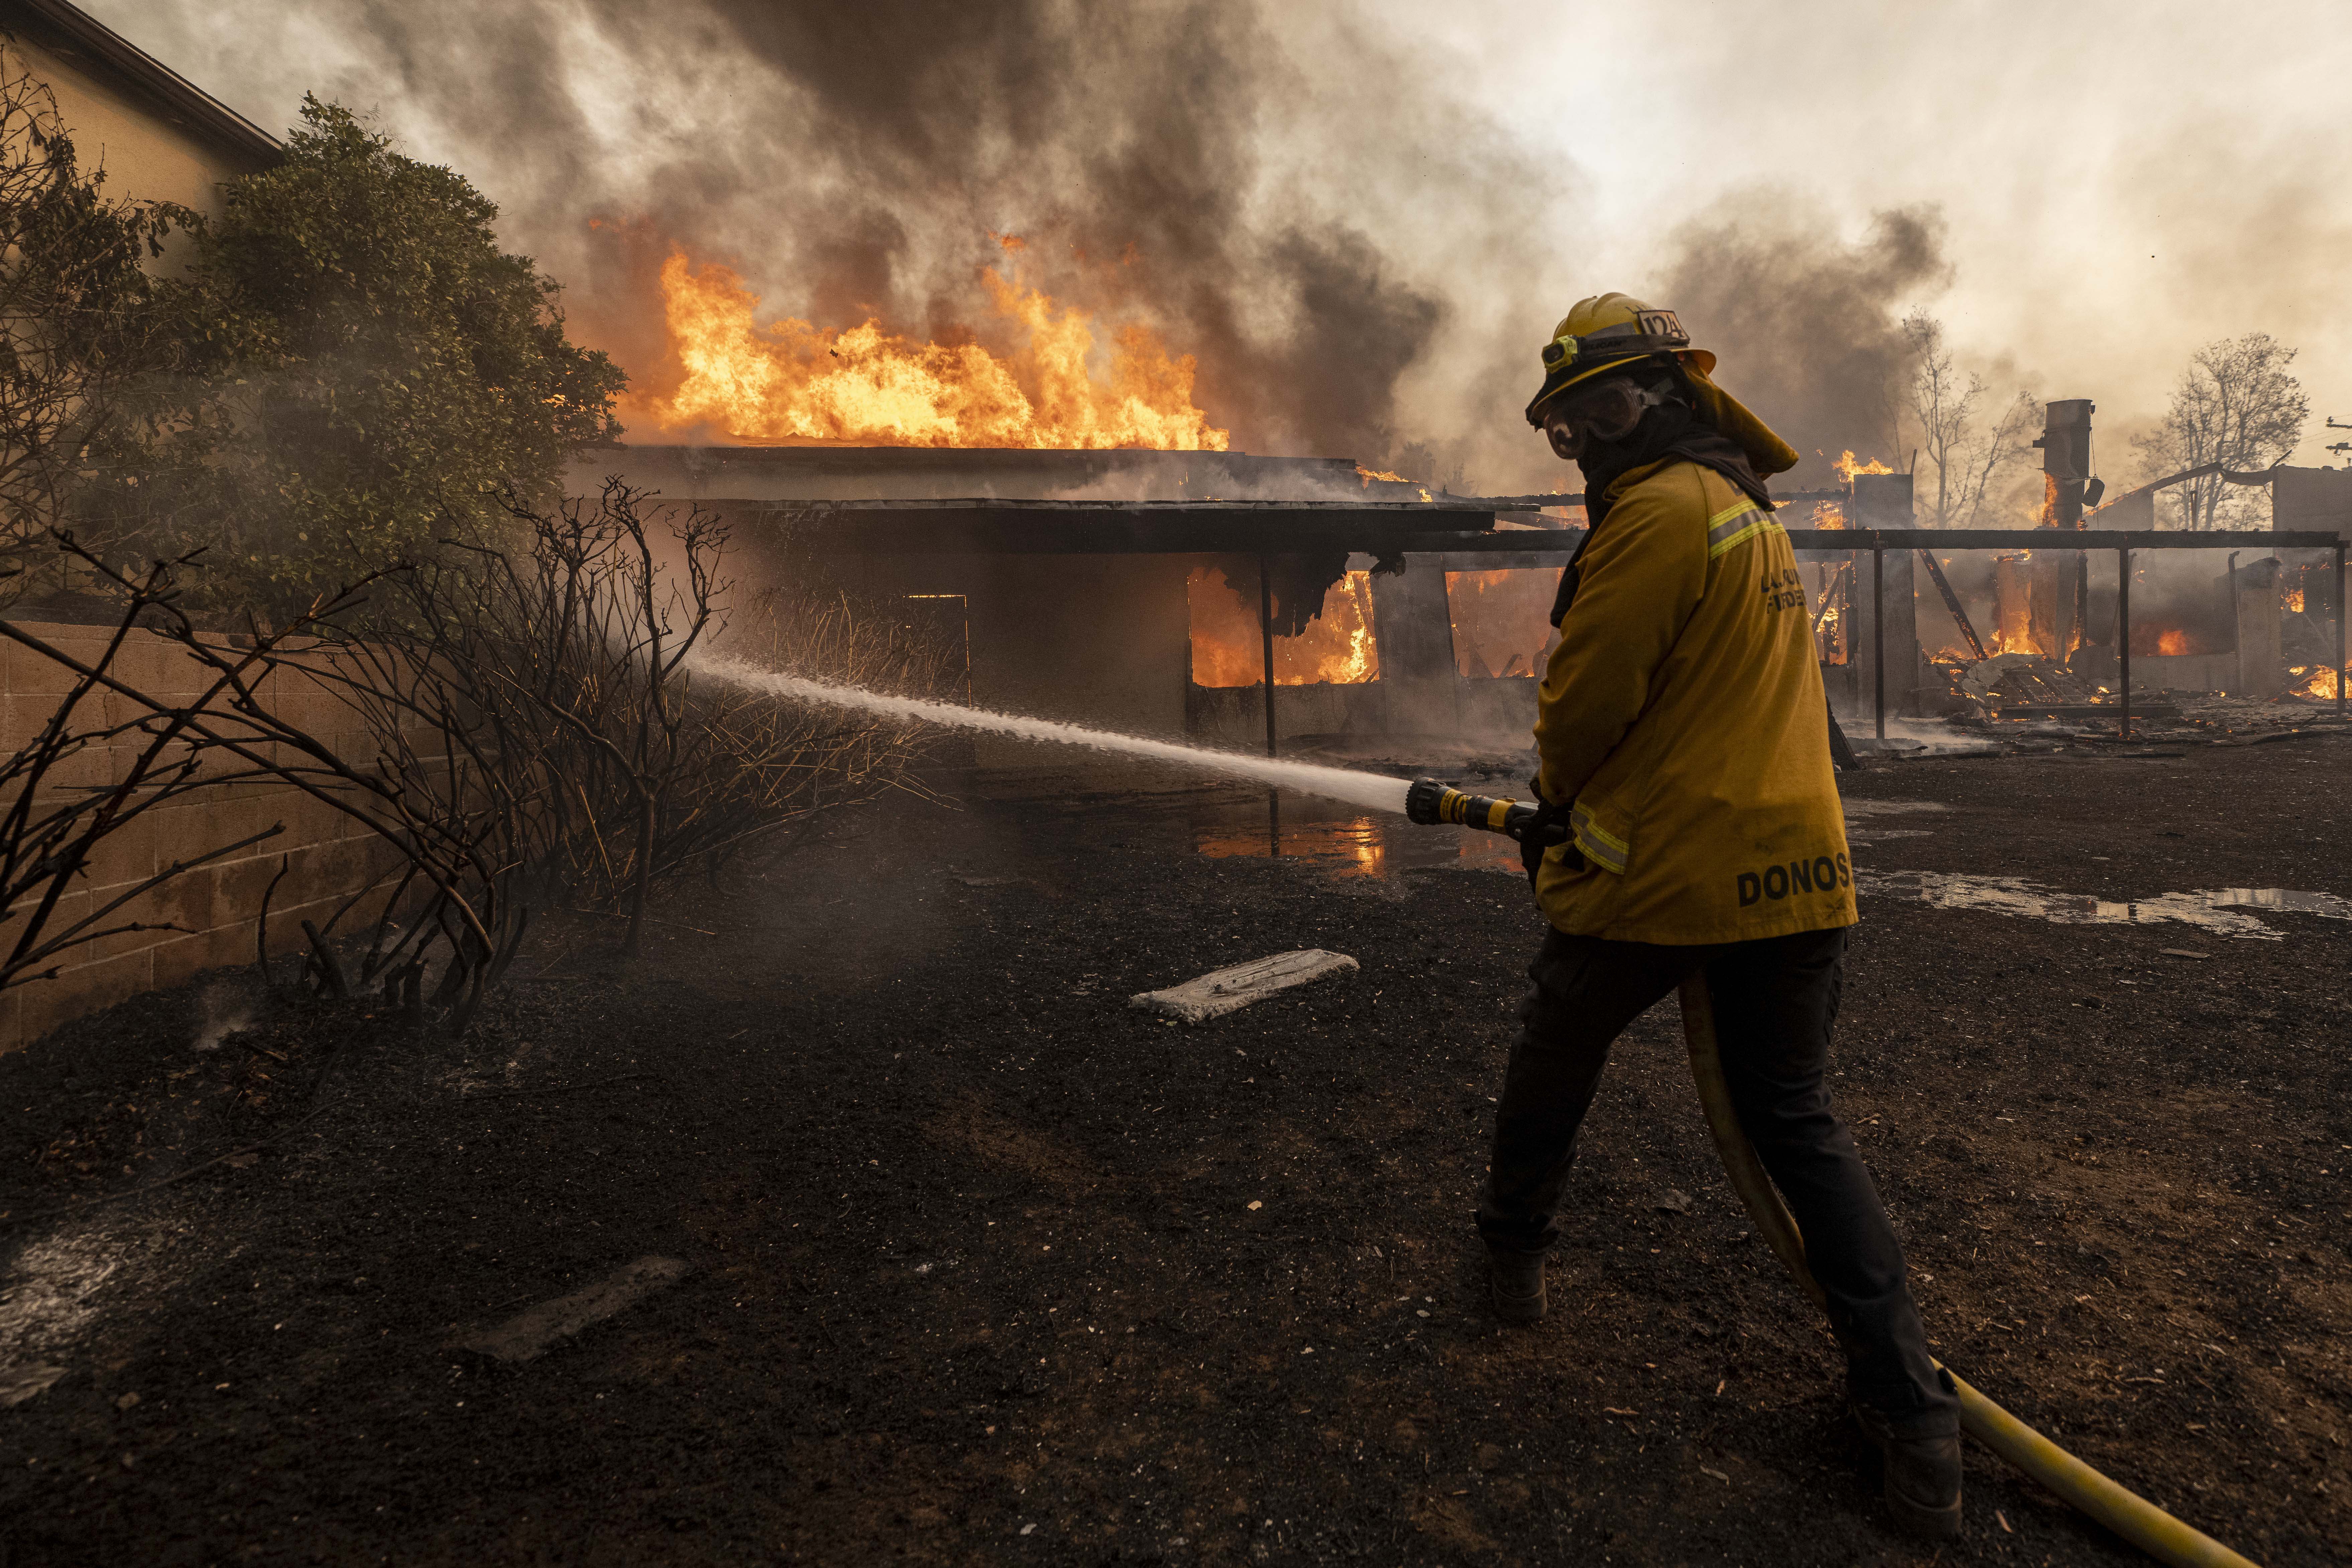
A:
1122, 131
1808, 328
856, 160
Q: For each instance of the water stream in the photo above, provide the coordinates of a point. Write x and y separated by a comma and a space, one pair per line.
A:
1369, 790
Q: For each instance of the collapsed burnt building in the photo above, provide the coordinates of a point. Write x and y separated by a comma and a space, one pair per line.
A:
2062, 619
1174, 593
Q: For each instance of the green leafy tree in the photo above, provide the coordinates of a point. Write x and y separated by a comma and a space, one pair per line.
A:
84, 333
371, 373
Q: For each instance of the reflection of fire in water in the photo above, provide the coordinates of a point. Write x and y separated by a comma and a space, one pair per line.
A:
792, 382
1349, 848
1501, 621
1337, 646
1359, 846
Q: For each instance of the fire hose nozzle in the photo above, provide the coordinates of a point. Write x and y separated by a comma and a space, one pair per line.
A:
1432, 801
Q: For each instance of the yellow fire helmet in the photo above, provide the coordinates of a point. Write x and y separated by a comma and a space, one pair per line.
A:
1604, 331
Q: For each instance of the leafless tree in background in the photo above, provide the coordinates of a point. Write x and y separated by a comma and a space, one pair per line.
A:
2236, 405
1945, 404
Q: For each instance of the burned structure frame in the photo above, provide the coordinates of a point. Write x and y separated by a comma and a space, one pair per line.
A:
1879, 541
1392, 531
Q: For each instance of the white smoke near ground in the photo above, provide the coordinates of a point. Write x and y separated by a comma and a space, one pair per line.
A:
224, 1008
1364, 218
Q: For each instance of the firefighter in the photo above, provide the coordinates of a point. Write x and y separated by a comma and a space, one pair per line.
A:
1682, 735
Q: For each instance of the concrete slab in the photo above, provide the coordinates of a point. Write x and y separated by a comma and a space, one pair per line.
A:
1223, 991
526, 1337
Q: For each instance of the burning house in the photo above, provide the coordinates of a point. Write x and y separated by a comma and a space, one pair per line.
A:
1162, 592
1155, 591
1066, 513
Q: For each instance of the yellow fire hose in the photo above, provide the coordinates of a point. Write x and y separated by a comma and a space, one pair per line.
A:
2133, 1517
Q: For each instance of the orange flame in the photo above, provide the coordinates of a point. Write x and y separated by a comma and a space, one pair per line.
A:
2171, 641
1848, 466
1828, 514
2318, 680
1368, 475
1228, 648
797, 382
2291, 602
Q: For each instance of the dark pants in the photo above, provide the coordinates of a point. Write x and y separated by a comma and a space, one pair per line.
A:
1775, 1001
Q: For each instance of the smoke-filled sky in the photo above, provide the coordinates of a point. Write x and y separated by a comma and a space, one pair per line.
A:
1364, 218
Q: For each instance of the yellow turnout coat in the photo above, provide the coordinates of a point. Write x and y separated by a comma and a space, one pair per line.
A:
1682, 714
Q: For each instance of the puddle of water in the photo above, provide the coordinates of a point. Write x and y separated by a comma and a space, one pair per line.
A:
1349, 846
2214, 910
1362, 848
2327, 905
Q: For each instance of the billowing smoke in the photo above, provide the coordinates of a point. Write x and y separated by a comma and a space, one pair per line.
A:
1808, 326
1363, 218
1272, 190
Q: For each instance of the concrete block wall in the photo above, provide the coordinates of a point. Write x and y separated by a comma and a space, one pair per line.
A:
327, 856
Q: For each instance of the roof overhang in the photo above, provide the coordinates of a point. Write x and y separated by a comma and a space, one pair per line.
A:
72, 32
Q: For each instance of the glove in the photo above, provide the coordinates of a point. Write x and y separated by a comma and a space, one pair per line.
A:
1535, 835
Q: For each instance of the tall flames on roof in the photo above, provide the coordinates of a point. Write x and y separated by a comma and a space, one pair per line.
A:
791, 382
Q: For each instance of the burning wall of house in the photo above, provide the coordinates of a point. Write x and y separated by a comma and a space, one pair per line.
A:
1339, 646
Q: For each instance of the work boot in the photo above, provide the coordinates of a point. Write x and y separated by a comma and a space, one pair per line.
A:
1923, 1476
1518, 1284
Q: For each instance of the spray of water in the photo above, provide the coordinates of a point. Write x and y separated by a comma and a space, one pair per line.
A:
1368, 790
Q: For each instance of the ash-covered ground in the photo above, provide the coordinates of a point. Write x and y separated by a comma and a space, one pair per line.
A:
984, 1267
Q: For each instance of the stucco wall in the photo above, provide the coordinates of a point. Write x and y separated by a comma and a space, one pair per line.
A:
146, 157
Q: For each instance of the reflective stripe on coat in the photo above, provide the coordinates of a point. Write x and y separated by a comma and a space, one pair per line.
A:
1682, 719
